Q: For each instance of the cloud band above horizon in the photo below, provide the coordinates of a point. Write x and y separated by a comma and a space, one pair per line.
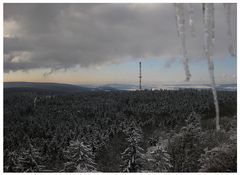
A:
62, 36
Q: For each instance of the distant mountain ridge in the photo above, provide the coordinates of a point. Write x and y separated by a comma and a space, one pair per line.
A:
108, 87
60, 87
46, 86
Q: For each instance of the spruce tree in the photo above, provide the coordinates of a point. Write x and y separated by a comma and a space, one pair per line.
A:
185, 147
158, 159
222, 158
30, 159
132, 156
80, 157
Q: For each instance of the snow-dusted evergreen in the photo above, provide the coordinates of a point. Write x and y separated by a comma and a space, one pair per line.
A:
222, 158
132, 156
79, 157
28, 160
158, 158
185, 147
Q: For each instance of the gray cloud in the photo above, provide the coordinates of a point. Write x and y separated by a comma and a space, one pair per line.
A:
59, 36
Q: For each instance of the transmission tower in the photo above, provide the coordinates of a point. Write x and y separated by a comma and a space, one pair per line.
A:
140, 76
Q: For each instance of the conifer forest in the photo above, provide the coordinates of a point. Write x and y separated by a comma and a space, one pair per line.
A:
119, 131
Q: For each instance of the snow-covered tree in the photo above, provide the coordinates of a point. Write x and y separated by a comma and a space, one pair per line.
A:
233, 130
80, 157
132, 156
193, 121
11, 163
158, 159
30, 159
219, 159
185, 147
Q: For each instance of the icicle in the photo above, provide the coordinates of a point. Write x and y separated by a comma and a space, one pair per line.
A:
208, 18
227, 8
176, 19
191, 22
182, 34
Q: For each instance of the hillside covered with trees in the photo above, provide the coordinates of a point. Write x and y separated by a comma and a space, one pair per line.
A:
141, 131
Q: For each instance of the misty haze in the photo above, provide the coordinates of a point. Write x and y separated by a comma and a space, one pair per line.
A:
120, 87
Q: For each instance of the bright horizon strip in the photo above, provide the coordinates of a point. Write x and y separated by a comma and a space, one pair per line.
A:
153, 71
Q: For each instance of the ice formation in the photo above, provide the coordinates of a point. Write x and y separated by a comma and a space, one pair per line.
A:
227, 8
208, 19
191, 21
180, 19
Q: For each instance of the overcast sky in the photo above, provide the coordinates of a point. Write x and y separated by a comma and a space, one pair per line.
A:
79, 43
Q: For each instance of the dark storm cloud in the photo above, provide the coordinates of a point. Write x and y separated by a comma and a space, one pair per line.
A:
65, 35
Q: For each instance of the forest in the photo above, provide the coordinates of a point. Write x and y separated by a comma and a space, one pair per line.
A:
119, 131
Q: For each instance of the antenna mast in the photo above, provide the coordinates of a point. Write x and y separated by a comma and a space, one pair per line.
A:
140, 76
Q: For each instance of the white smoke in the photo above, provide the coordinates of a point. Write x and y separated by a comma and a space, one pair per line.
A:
209, 38
180, 19
227, 8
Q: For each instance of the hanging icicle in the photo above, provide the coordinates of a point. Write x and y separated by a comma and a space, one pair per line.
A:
180, 19
209, 38
191, 21
176, 19
227, 8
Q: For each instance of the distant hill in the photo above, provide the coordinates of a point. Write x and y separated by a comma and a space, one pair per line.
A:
117, 86
59, 87
31, 86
